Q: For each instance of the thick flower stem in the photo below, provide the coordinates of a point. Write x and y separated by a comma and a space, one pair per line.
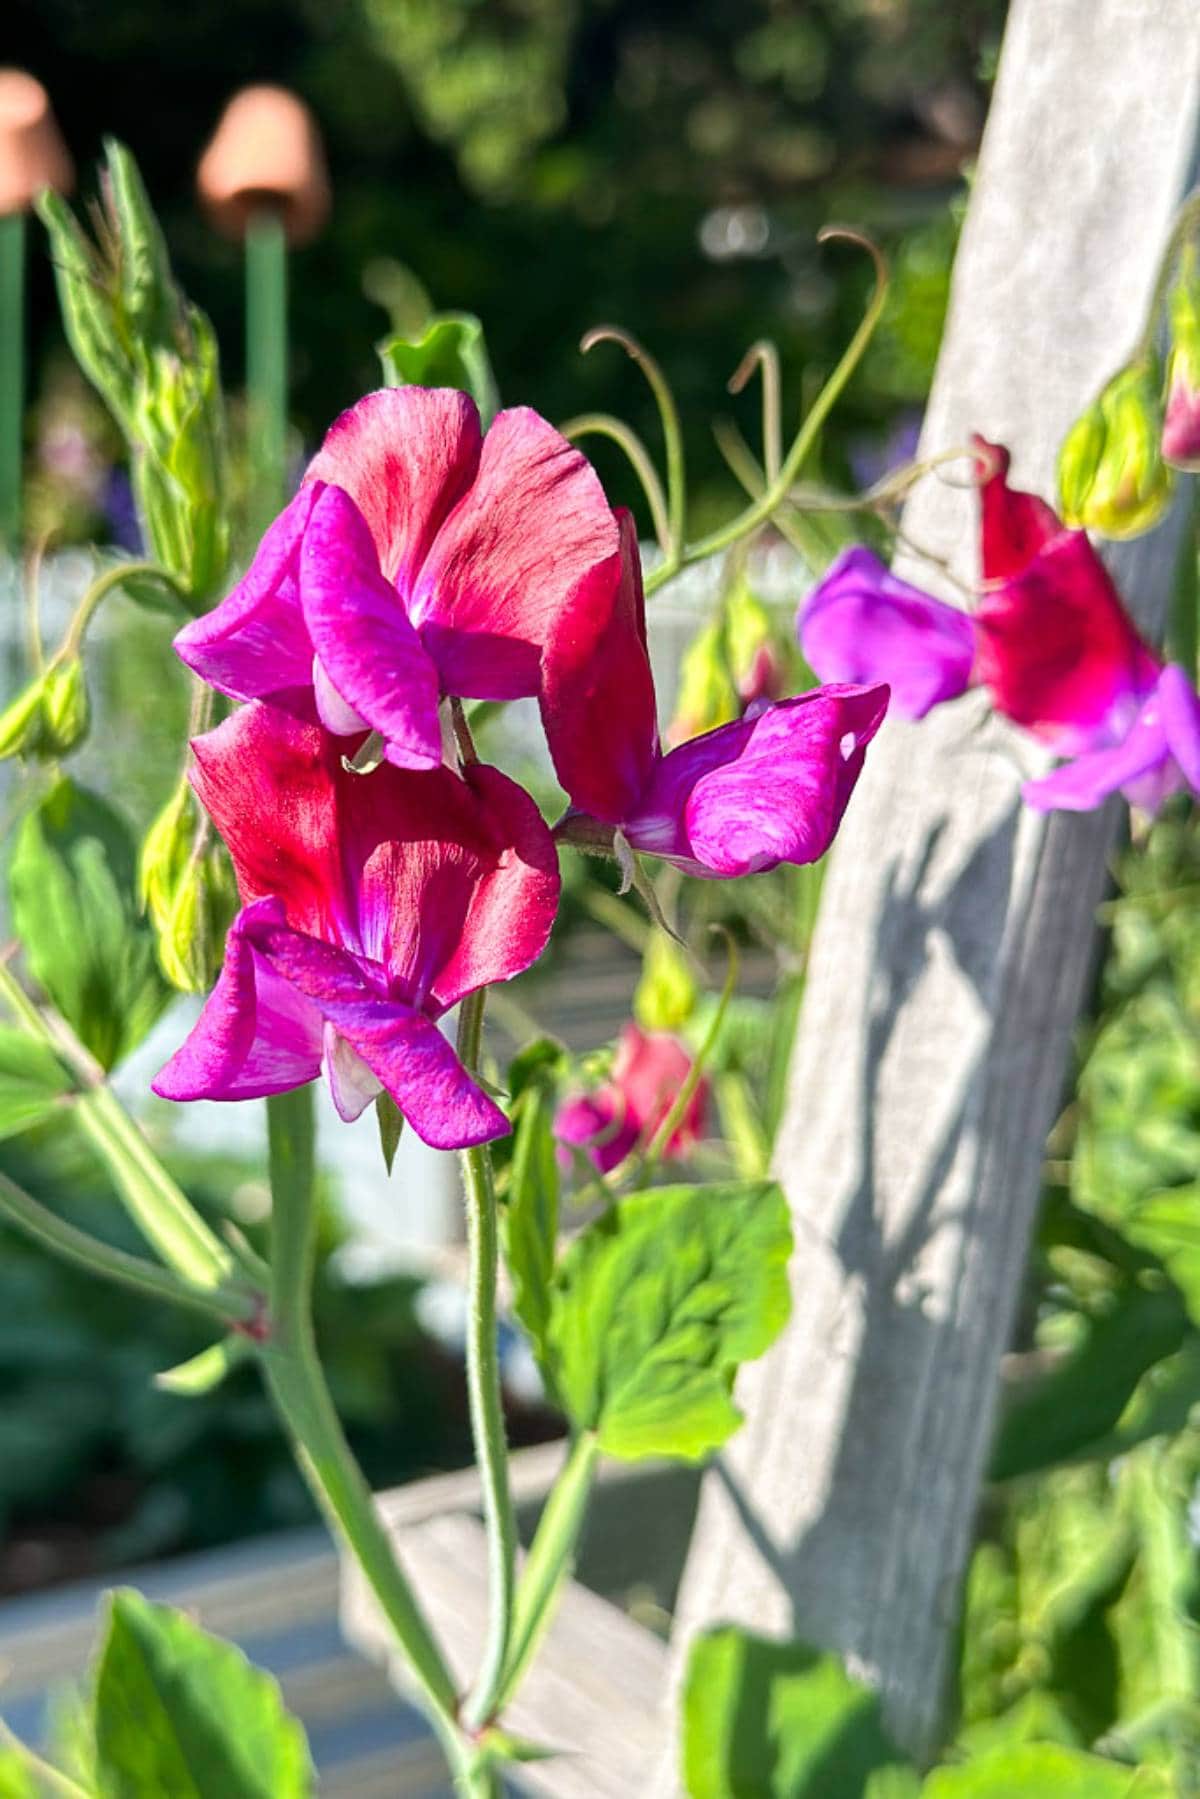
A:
550, 1558
296, 1383
483, 1390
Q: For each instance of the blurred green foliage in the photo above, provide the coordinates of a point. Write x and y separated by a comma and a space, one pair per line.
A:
549, 164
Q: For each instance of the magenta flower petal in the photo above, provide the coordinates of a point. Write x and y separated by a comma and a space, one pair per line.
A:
1158, 756
761, 791
1059, 653
598, 705
256, 1035
448, 882
648, 1071
1180, 708
406, 456
362, 635
863, 625
254, 645
410, 1057
1014, 526
532, 549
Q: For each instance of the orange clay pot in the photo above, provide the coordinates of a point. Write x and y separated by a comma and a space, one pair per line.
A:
32, 153
265, 153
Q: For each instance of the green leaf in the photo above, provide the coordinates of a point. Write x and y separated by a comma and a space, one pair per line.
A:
16, 1781
179, 1712
73, 886
530, 1217
1047, 1770
1168, 1225
450, 352
32, 1081
657, 1303
203, 1372
391, 1127
1082, 1399
765, 1720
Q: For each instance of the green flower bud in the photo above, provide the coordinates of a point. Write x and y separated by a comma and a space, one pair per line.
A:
667, 992
1181, 427
737, 659
23, 724
188, 890
153, 358
65, 707
1111, 474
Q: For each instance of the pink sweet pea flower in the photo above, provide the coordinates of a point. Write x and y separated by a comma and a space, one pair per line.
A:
648, 1071
419, 558
766, 789
371, 904
1049, 639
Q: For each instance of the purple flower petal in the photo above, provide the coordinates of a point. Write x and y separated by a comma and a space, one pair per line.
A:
362, 635
256, 1035
255, 644
863, 625
1145, 766
1180, 706
762, 791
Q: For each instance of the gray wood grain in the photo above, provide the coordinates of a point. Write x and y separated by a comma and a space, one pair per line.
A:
956, 932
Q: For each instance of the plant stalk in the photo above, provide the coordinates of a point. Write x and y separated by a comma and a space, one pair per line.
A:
550, 1559
266, 361
296, 1383
483, 1391
12, 378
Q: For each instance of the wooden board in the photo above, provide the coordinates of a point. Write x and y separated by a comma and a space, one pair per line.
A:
956, 932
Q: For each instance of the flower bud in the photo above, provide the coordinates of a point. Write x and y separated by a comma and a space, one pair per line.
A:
737, 660
1111, 474
1181, 428
65, 707
153, 358
187, 889
667, 992
23, 724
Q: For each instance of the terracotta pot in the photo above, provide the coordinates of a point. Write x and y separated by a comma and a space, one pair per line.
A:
32, 153
265, 153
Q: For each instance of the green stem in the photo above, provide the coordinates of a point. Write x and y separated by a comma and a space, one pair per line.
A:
227, 1306
161, 1211
483, 1392
695, 1074
12, 377
1187, 220
99, 590
602, 424
550, 1558
296, 1383
266, 360
760, 510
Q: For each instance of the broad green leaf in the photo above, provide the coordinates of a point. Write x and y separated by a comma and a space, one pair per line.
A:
765, 1720
450, 352
657, 1303
530, 1216
179, 1712
73, 884
32, 1081
1168, 1225
1044, 1771
1037, 1718
1083, 1397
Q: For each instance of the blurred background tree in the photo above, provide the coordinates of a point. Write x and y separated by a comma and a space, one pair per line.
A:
552, 163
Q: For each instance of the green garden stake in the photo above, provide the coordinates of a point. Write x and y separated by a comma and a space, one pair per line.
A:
32, 157
263, 181
266, 362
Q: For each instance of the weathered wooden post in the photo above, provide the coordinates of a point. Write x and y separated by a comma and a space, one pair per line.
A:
956, 932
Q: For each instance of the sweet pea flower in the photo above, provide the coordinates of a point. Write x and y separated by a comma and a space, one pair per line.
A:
420, 558
768, 788
1049, 639
1181, 426
370, 905
648, 1071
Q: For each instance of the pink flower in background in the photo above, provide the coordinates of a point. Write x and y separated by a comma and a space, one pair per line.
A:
742, 798
420, 558
1049, 639
648, 1071
372, 904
